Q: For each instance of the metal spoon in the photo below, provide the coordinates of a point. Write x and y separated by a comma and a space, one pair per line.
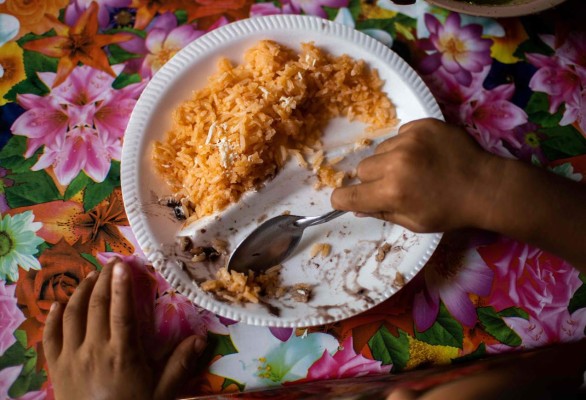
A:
273, 241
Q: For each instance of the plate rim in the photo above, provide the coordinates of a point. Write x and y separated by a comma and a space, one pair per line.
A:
136, 128
497, 11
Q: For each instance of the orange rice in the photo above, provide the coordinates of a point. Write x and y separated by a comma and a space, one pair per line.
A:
237, 132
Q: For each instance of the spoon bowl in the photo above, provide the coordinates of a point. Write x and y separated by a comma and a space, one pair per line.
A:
273, 242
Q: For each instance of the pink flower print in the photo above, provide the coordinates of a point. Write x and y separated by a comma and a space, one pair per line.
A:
84, 115
576, 106
536, 333
262, 9
111, 115
491, 117
8, 376
164, 39
10, 316
450, 276
573, 49
45, 121
312, 7
83, 149
532, 279
85, 85
283, 334
77, 7
345, 363
460, 50
488, 115
176, 318
555, 78
563, 77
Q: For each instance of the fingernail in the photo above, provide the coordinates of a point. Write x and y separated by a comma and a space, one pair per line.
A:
199, 344
54, 306
119, 271
92, 274
361, 215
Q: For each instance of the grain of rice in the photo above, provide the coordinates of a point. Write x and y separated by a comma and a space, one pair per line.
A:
323, 249
315, 249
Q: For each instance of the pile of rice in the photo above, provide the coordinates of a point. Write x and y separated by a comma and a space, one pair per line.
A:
237, 132
237, 287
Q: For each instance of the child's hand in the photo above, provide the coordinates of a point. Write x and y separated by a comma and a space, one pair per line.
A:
428, 178
93, 349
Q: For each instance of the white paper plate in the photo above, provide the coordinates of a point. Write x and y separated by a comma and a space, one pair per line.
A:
348, 281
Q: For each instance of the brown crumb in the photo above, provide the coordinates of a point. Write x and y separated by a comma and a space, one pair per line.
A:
362, 143
204, 253
382, 252
199, 257
286, 212
301, 292
185, 243
399, 280
220, 245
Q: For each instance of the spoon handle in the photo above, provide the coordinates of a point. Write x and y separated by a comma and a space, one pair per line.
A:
310, 221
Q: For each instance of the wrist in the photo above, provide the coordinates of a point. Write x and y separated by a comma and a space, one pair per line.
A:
485, 211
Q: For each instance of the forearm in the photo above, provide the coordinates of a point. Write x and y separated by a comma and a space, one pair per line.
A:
537, 207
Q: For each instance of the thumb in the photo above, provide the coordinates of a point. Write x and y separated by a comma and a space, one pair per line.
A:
180, 367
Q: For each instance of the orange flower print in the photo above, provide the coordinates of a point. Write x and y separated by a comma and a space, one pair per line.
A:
211, 10
99, 226
147, 9
62, 269
90, 231
34, 15
79, 43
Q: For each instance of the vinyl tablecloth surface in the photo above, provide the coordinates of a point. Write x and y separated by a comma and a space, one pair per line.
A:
70, 75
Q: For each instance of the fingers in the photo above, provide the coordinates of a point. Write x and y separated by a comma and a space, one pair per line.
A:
123, 328
364, 198
75, 314
387, 145
53, 333
403, 394
180, 367
392, 143
372, 168
98, 324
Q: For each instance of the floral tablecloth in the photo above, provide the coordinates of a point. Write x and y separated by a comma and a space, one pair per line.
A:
70, 74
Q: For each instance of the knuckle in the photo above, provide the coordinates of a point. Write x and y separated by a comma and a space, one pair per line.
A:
354, 196
404, 156
361, 170
89, 357
382, 146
